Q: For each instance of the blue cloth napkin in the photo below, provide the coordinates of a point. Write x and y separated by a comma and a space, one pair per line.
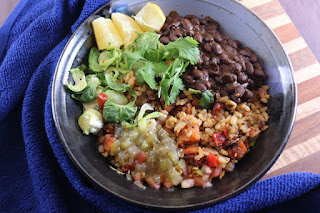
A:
36, 173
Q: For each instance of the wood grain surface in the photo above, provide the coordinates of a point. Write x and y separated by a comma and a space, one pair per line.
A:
302, 152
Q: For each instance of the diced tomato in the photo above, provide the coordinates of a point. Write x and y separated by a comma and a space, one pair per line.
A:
217, 107
252, 131
137, 176
108, 140
225, 131
196, 103
212, 160
102, 98
125, 168
141, 157
190, 150
219, 139
150, 180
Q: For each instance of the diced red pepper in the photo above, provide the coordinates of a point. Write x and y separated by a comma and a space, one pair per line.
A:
219, 139
217, 107
190, 150
212, 160
225, 131
125, 168
102, 98
141, 157
237, 151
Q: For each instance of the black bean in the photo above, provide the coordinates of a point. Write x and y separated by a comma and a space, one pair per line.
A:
257, 65
225, 37
202, 29
177, 32
208, 47
205, 59
225, 58
167, 32
207, 83
198, 37
169, 20
247, 49
187, 79
197, 74
217, 48
229, 77
174, 24
248, 95
245, 53
214, 60
218, 79
164, 40
187, 25
223, 93
217, 37
239, 91
165, 26
235, 99
195, 21
208, 37
236, 68
249, 68
173, 37
238, 43
253, 58
174, 14
260, 74
200, 86
196, 28
242, 78
231, 88
190, 16
232, 43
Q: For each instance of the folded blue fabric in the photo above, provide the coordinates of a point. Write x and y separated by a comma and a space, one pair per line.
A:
36, 173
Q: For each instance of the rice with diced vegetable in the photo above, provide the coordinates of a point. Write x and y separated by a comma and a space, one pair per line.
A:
175, 107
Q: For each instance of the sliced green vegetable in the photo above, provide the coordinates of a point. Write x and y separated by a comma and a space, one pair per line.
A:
194, 91
87, 95
116, 113
108, 57
116, 97
206, 98
252, 143
90, 121
93, 60
93, 80
79, 80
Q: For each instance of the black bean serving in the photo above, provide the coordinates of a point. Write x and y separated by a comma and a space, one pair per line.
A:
224, 65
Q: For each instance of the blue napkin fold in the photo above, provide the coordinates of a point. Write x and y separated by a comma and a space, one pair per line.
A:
36, 173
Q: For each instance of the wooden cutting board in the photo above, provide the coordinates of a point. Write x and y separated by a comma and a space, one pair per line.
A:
302, 152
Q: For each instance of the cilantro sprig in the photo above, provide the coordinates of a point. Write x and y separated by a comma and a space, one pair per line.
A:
151, 59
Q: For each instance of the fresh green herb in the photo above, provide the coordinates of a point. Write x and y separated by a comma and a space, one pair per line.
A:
252, 143
132, 58
171, 79
147, 41
146, 74
194, 91
79, 80
116, 113
206, 98
185, 48
93, 60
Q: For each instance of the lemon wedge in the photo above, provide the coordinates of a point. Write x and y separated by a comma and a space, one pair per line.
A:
150, 17
127, 27
106, 34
